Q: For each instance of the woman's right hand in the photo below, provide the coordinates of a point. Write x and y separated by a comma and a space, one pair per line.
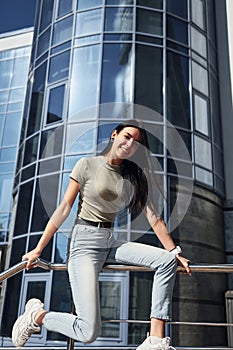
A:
31, 257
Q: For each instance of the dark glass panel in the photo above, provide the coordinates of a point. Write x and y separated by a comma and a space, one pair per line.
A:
177, 47
156, 4
149, 22
12, 294
51, 142
60, 291
65, 6
59, 67
43, 42
49, 166
28, 173
118, 37
177, 30
23, 209
178, 7
215, 111
37, 99
46, 14
116, 73
62, 30
55, 104
149, 39
149, 77
45, 201
178, 104
31, 149
118, 19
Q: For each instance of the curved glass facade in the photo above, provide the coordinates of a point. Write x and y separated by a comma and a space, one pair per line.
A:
95, 62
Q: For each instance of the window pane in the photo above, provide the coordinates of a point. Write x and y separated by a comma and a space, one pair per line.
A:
116, 73
11, 129
85, 4
64, 7
45, 201
37, 99
3, 98
31, 148
43, 42
203, 152
23, 208
157, 4
197, 11
80, 138
201, 114
59, 67
200, 78
6, 185
177, 30
148, 90
7, 154
62, 30
17, 95
149, 22
46, 14
84, 80
119, 19
55, 104
51, 142
198, 42
204, 176
178, 105
177, 7
88, 22
6, 70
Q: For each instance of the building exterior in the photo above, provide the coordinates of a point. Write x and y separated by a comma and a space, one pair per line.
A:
15, 52
94, 63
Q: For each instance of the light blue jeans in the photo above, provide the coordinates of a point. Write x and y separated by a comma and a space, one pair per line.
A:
89, 249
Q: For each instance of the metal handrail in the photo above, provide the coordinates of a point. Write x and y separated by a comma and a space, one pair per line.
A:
219, 268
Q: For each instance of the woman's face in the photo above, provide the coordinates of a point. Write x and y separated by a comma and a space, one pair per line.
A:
125, 143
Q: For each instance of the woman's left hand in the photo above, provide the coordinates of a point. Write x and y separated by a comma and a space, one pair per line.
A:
184, 263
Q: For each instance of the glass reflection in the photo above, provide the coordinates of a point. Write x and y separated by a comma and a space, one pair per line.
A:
85, 4
149, 22
177, 30
64, 7
59, 67
62, 30
119, 19
88, 22
84, 80
80, 138
116, 73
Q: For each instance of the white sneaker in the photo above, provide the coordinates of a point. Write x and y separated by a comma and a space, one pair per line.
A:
150, 344
24, 326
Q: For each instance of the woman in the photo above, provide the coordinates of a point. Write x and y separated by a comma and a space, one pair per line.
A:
106, 183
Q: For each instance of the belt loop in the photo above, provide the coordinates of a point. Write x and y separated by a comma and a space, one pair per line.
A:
99, 225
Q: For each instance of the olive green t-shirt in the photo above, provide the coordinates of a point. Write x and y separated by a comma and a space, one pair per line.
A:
101, 189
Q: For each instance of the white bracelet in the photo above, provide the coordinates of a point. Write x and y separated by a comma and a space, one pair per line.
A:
177, 250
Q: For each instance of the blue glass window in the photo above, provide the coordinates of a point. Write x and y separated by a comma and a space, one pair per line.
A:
156, 4
6, 70
116, 73
6, 183
89, 22
178, 104
85, 4
43, 42
62, 30
11, 129
65, 6
84, 81
148, 90
46, 14
55, 104
149, 22
178, 7
80, 138
118, 19
59, 67
177, 30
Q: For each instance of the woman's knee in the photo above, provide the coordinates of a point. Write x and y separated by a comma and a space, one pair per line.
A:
85, 332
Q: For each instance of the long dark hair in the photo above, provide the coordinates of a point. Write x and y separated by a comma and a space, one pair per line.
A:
135, 169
